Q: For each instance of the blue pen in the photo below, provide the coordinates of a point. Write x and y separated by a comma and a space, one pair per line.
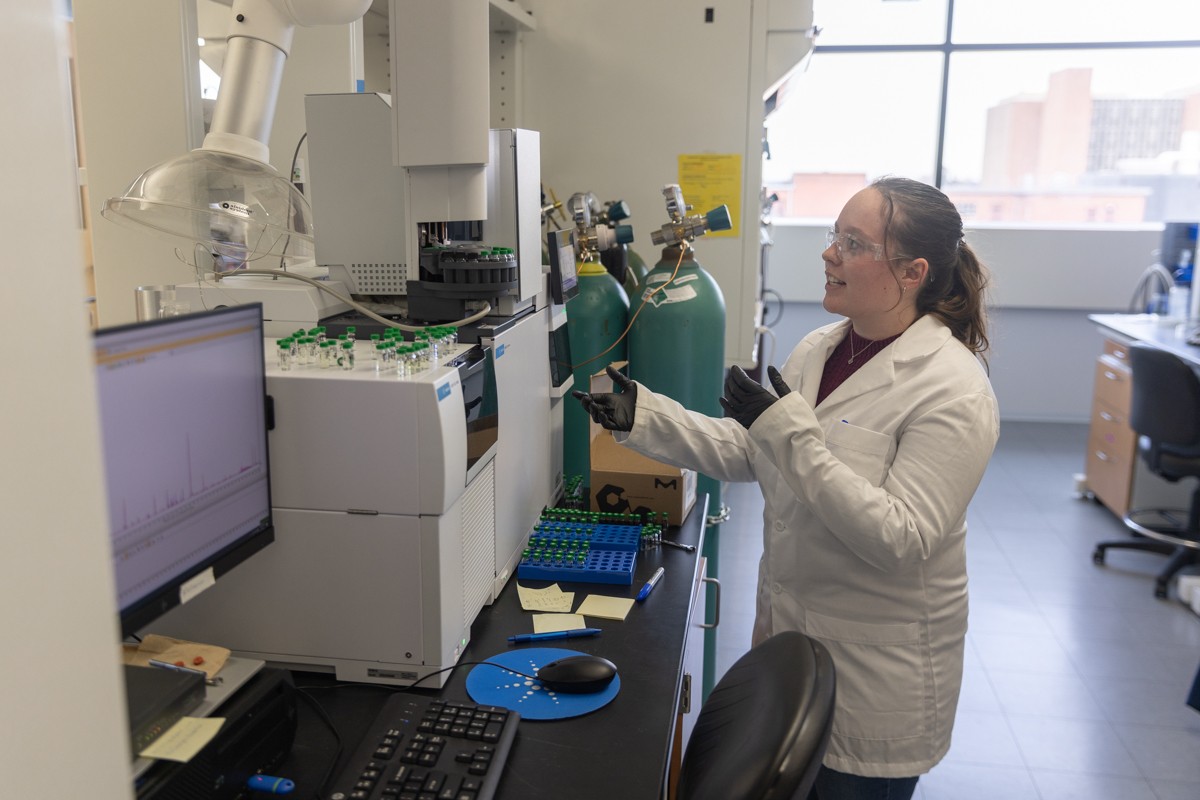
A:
574, 633
650, 584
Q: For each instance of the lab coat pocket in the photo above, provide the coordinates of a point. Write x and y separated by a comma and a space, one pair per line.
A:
882, 676
867, 452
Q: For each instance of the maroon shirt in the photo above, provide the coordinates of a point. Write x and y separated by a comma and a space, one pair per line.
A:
844, 361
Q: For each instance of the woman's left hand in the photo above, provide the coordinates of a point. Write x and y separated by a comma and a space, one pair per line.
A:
745, 399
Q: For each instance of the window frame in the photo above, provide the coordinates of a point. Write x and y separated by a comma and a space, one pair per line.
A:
948, 47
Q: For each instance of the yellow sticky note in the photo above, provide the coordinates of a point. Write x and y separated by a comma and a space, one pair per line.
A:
185, 738
548, 623
551, 599
598, 605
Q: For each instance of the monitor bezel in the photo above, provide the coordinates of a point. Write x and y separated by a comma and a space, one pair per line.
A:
146, 610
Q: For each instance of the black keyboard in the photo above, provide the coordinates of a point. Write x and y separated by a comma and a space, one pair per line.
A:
421, 748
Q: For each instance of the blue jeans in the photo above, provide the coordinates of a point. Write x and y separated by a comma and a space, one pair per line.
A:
834, 785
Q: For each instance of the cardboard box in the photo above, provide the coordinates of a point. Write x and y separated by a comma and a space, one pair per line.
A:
626, 482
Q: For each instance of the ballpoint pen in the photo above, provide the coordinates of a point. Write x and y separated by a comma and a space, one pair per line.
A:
650, 584
574, 633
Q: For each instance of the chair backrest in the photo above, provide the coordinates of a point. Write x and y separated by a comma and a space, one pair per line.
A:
764, 729
1166, 398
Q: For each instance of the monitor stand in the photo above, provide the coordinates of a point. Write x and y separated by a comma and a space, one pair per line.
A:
233, 676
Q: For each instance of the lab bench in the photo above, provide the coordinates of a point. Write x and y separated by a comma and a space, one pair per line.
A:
628, 748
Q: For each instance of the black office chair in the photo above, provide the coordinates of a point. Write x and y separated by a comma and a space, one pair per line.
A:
1165, 414
763, 731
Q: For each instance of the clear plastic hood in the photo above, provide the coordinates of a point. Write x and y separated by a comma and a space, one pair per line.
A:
239, 208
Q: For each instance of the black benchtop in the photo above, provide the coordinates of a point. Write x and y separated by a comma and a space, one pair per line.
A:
622, 750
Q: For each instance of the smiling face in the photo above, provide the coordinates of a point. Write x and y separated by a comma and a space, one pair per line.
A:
867, 291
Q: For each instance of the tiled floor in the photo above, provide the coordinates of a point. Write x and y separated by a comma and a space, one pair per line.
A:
1075, 674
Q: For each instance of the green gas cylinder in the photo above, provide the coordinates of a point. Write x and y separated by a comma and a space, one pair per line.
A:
596, 317
623, 261
624, 264
677, 341
635, 272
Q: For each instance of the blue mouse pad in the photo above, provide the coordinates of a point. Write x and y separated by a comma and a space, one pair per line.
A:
495, 686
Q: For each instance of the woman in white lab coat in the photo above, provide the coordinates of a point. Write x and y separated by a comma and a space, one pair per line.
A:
868, 452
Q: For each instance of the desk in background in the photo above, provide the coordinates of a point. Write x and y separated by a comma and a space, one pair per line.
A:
1112, 469
625, 749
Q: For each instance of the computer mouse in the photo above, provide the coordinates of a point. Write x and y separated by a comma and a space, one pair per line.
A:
581, 674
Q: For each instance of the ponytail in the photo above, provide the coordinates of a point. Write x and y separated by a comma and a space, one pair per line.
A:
961, 308
921, 221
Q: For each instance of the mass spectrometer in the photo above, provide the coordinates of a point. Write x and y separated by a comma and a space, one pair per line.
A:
383, 500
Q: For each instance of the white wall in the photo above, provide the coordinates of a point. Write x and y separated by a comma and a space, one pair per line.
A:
1048, 268
133, 80
1045, 283
64, 727
135, 70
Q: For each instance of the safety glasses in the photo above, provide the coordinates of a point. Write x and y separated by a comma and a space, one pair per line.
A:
850, 247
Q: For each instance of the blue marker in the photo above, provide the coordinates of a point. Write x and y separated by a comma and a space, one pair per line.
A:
541, 637
650, 584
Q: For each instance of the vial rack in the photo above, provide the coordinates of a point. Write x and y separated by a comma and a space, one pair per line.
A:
587, 546
599, 537
584, 565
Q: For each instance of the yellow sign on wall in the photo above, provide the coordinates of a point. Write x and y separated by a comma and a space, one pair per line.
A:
710, 180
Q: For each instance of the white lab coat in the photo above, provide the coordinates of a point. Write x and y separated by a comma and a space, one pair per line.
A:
864, 526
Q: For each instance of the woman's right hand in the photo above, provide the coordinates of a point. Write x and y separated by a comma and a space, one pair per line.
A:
612, 410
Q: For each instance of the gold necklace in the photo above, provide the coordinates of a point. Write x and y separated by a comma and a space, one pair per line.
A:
853, 354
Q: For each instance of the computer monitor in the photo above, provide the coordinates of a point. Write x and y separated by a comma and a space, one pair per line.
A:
183, 421
564, 280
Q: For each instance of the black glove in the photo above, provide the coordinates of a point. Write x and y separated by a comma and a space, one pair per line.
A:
613, 411
745, 399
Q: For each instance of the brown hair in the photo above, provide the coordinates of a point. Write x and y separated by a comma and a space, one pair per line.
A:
923, 223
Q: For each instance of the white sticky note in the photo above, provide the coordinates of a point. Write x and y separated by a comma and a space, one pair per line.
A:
548, 623
197, 584
598, 605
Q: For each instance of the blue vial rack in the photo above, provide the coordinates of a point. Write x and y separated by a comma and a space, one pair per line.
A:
599, 537
598, 566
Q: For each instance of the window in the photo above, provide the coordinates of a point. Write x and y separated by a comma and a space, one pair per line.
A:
847, 117
1074, 111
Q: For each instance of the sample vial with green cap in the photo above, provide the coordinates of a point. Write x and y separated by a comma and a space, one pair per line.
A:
285, 354
346, 357
385, 357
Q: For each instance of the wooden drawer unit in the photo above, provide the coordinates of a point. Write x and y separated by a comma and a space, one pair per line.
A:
1110, 475
1117, 350
1112, 444
1110, 428
1114, 384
